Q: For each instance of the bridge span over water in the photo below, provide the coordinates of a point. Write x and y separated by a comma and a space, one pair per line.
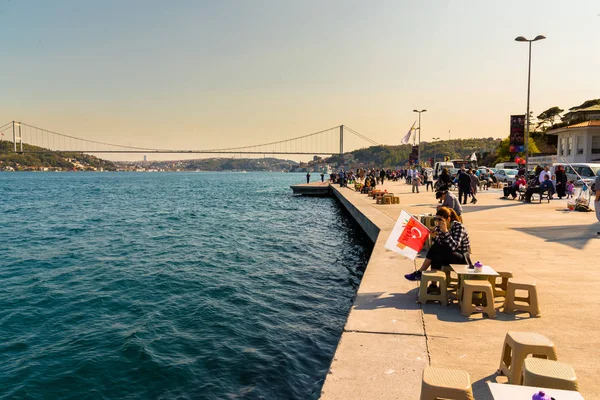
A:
28, 138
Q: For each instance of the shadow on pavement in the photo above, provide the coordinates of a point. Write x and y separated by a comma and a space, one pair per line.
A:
576, 237
452, 313
475, 208
400, 301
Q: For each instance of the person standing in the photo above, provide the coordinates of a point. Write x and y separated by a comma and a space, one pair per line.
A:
322, 177
382, 175
474, 185
428, 177
464, 186
308, 177
561, 182
416, 180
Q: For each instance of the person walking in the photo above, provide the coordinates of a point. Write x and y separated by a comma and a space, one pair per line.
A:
474, 185
464, 186
382, 175
428, 177
308, 177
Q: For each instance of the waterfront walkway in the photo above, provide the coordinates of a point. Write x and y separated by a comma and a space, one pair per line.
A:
389, 338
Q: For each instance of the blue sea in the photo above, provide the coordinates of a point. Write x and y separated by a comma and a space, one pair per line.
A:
171, 285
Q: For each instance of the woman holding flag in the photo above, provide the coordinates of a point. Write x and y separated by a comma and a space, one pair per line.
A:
451, 244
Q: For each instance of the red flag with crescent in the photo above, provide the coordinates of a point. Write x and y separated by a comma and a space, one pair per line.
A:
414, 235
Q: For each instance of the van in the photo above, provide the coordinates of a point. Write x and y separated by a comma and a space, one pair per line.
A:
507, 165
439, 167
587, 171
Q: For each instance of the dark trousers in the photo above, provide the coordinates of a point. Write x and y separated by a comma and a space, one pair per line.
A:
442, 255
463, 191
510, 190
530, 191
427, 184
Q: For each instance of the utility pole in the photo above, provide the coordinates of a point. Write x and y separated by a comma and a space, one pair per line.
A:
419, 149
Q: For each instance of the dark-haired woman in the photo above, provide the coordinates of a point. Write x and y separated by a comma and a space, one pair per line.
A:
444, 181
561, 182
451, 245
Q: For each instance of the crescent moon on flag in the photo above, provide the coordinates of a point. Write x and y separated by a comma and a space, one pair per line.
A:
418, 231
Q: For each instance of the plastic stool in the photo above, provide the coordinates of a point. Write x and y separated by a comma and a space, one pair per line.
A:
517, 346
549, 374
446, 383
451, 282
500, 288
532, 306
469, 287
433, 276
396, 200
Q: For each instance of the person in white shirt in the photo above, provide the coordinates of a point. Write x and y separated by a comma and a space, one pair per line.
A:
545, 172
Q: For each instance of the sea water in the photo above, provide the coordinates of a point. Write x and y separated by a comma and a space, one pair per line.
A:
171, 285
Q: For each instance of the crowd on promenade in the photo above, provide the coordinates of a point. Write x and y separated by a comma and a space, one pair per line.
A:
451, 239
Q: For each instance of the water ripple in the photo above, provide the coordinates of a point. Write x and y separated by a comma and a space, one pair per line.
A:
170, 286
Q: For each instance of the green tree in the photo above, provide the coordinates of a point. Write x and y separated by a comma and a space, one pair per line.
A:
504, 154
549, 116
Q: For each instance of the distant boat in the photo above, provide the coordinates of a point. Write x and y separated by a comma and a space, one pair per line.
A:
243, 171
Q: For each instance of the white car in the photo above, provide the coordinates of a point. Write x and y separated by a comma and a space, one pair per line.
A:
506, 175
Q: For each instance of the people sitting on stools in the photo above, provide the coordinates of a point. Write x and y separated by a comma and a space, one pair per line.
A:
547, 185
450, 245
449, 200
513, 189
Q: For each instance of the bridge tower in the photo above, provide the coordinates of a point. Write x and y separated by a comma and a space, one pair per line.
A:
341, 140
14, 123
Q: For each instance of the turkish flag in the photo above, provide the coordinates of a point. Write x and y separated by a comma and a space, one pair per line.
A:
414, 235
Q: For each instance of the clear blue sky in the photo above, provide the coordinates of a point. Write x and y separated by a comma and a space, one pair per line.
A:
206, 74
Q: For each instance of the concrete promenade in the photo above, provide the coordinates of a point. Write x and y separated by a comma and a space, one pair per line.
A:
389, 338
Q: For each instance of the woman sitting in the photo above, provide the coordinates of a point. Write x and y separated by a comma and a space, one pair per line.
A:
450, 246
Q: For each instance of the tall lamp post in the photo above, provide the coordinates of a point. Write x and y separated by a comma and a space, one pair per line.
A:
417, 111
522, 39
435, 139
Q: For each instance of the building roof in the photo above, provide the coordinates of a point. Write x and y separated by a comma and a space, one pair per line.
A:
584, 124
588, 109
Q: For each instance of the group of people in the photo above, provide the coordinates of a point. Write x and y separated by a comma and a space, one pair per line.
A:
542, 182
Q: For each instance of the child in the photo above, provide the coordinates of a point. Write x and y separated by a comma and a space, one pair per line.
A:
570, 189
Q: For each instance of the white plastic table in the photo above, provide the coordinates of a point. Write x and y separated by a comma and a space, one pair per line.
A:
464, 272
516, 392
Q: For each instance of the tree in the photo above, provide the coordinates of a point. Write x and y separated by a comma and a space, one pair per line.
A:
503, 153
548, 116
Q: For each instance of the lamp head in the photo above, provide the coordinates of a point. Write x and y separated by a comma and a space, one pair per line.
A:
539, 37
521, 39
415, 110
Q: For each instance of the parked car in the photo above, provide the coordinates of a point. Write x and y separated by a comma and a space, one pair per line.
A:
506, 175
587, 171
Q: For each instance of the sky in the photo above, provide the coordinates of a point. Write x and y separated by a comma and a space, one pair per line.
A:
224, 73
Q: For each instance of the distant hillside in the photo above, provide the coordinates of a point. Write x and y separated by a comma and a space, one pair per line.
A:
392, 156
216, 164
52, 161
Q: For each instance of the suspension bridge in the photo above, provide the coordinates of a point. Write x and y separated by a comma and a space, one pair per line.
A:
27, 138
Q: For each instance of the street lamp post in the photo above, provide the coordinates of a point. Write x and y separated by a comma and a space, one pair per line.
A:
419, 149
435, 139
522, 39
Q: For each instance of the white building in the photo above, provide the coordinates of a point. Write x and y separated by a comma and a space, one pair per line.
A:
579, 143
